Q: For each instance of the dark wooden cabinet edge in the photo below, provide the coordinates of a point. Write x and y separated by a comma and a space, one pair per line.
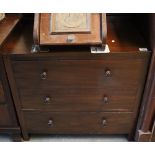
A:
13, 88
145, 126
131, 136
14, 129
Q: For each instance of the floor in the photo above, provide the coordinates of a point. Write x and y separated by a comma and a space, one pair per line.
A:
68, 138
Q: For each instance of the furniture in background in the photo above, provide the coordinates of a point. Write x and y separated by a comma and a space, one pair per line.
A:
8, 118
146, 124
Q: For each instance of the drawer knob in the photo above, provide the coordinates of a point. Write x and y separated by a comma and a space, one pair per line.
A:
43, 75
50, 122
47, 100
107, 73
105, 99
104, 122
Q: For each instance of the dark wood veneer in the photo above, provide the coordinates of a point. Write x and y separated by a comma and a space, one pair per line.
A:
82, 78
78, 123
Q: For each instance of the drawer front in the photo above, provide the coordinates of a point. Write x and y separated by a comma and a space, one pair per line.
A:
78, 74
78, 85
4, 116
74, 99
78, 123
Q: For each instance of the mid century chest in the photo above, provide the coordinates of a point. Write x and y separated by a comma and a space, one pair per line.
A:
66, 89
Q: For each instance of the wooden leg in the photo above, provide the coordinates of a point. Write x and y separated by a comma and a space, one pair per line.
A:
17, 137
143, 136
26, 137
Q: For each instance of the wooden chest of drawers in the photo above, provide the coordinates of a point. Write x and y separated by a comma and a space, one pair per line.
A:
78, 93
68, 90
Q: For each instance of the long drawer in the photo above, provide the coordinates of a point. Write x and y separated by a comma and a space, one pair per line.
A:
78, 123
76, 99
106, 73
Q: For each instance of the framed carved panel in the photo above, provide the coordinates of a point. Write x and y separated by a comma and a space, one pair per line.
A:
70, 22
69, 29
